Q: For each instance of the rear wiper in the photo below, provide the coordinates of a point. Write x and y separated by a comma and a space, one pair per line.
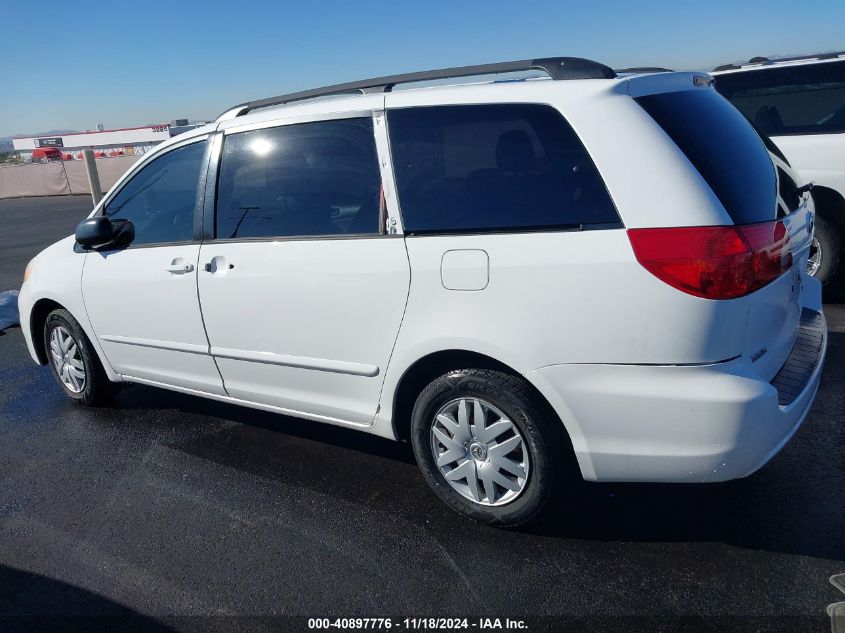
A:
805, 188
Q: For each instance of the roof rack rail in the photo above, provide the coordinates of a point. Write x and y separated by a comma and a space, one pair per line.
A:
643, 69
766, 61
556, 67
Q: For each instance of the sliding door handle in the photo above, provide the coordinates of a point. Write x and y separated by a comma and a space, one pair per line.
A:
218, 265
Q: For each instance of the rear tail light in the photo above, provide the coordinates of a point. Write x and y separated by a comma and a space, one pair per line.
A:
715, 262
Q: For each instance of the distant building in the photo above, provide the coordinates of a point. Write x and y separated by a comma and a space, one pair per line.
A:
178, 126
131, 140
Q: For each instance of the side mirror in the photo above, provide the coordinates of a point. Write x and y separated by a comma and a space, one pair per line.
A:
93, 232
123, 233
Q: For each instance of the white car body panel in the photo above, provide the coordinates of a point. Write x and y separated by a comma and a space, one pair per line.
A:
351, 294
148, 319
818, 158
699, 423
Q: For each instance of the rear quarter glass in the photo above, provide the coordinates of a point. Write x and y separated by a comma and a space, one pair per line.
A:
723, 146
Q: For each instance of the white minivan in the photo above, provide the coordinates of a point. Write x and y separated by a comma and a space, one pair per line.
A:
597, 268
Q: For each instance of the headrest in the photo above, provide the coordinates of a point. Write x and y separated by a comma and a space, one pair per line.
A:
514, 152
768, 120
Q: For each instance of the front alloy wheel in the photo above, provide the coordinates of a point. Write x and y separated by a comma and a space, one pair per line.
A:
67, 359
73, 360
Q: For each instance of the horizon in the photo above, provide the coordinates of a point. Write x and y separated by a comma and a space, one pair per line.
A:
126, 66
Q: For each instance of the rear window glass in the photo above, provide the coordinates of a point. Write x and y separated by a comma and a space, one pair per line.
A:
493, 168
802, 99
723, 147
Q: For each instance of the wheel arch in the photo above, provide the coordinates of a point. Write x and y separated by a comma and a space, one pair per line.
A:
38, 314
425, 369
37, 318
830, 204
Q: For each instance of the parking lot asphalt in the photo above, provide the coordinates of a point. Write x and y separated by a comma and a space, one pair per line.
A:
199, 515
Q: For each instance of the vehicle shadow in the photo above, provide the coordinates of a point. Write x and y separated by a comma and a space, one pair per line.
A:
793, 505
32, 602
142, 397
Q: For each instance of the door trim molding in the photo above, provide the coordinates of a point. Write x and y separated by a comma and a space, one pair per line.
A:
267, 358
189, 348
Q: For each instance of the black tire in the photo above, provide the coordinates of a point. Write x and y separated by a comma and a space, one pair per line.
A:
97, 388
830, 244
513, 397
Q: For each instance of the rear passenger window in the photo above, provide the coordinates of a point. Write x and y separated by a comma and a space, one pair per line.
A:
497, 167
307, 179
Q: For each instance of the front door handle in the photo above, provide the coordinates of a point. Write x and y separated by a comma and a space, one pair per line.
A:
180, 269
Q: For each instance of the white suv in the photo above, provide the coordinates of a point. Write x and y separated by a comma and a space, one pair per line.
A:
800, 103
593, 264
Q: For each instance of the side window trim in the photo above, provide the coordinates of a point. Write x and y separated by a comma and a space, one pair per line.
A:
391, 224
212, 188
209, 189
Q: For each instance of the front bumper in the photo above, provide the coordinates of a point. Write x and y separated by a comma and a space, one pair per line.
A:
24, 310
700, 423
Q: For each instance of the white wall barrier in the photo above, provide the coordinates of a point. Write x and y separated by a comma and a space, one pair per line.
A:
59, 178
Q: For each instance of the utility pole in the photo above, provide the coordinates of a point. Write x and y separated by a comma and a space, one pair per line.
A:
93, 176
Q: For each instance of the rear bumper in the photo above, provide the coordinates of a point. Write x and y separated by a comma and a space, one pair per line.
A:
700, 423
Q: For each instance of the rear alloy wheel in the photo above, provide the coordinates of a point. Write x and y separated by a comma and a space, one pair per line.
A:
73, 360
484, 446
480, 453
824, 251
815, 260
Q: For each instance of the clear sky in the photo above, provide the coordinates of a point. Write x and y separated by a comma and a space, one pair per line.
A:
75, 64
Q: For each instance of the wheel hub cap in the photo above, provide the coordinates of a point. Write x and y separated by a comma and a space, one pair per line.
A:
67, 359
479, 451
